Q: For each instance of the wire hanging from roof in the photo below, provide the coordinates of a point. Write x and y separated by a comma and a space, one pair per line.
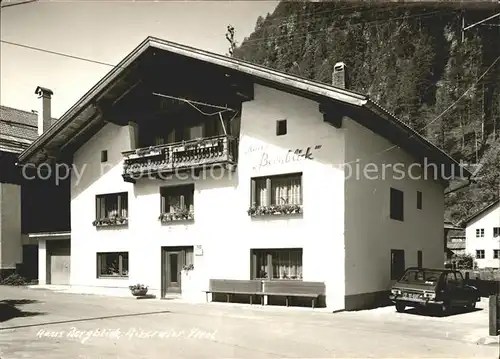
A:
193, 104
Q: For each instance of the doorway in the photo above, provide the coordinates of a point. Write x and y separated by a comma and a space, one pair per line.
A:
173, 259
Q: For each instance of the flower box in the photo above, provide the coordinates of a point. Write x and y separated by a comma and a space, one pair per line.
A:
179, 215
110, 221
275, 210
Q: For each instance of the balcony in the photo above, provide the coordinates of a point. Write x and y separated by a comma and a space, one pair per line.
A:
194, 155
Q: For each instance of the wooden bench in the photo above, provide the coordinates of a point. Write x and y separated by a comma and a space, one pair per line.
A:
294, 288
230, 287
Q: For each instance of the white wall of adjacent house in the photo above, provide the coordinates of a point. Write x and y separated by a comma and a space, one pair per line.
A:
222, 226
370, 233
484, 223
10, 226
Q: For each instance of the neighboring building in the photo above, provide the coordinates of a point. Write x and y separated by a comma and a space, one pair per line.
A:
281, 148
452, 245
25, 204
482, 232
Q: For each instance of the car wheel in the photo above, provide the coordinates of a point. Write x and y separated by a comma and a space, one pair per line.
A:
471, 305
400, 307
445, 308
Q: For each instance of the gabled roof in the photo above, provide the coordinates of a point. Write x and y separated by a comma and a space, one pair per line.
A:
480, 212
381, 121
18, 129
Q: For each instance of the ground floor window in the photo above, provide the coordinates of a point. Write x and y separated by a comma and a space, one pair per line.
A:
276, 263
397, 263
112, 264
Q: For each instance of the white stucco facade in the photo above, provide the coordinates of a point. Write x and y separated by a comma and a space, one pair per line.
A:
345, 232
485, 240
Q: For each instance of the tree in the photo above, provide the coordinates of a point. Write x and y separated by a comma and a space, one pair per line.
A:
230, 38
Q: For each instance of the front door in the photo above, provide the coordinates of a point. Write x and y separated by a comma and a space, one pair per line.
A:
173, 260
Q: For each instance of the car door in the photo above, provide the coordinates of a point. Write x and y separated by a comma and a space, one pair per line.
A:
450, 289
463, 294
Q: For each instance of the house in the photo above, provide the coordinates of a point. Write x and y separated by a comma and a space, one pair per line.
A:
482, 236
452, 243
23, 202
185, 159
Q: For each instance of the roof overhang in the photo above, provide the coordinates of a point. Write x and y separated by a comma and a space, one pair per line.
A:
85, 115
50, 235
480, 212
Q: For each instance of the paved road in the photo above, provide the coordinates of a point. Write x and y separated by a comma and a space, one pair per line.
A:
58, 325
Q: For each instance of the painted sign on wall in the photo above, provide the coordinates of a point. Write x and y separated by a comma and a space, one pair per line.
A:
265, 159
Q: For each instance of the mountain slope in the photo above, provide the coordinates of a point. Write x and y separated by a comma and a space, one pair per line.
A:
412, 60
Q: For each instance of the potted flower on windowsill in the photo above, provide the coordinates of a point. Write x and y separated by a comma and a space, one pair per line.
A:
177, 215
110, 221
274, 210
138, 290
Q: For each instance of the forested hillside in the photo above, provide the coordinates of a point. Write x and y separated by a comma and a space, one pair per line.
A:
411, 58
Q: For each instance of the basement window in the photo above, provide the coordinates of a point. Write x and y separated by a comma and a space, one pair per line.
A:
281, 128
104, 156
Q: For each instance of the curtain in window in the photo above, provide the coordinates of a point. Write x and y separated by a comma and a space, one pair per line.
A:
286, 191
260, 193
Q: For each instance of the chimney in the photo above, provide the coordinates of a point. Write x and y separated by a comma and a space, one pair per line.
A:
44, 113
339, 77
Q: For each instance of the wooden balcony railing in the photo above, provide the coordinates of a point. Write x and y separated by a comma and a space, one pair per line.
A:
163, 160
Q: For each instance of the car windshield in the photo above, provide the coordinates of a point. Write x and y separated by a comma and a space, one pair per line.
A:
421, 276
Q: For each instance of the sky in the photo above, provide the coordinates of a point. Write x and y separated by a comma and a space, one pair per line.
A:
104, 31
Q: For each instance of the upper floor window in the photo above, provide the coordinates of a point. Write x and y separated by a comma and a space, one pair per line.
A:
496, 231
177, 203
479, 232
111, 209
112, 264
281, 194
281, 128
419, 200
277, 190
480, 254
496, 254
397, 204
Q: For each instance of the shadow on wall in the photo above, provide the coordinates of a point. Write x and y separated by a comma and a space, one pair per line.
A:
9, 309
210, 179
317, 143
90, 169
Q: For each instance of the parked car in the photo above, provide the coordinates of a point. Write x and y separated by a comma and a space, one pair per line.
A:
440, 289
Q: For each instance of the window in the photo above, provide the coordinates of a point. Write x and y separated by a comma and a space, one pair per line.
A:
276, 264
112, 264
104, 156
480, 254
281, 127
112, 205
496, 231
178, 198
276, 190
419, 200
397, 205
397, 263
496, 254
479, 232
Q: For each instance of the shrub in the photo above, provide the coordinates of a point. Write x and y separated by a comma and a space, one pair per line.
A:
463, 261
14, 279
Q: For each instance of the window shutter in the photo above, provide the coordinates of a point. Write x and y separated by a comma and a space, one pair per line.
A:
253, 199
268, 192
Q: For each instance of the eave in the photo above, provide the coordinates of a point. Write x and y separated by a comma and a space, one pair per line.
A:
85, 118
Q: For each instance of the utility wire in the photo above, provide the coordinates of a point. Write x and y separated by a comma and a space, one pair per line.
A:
17, 3
57, 53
